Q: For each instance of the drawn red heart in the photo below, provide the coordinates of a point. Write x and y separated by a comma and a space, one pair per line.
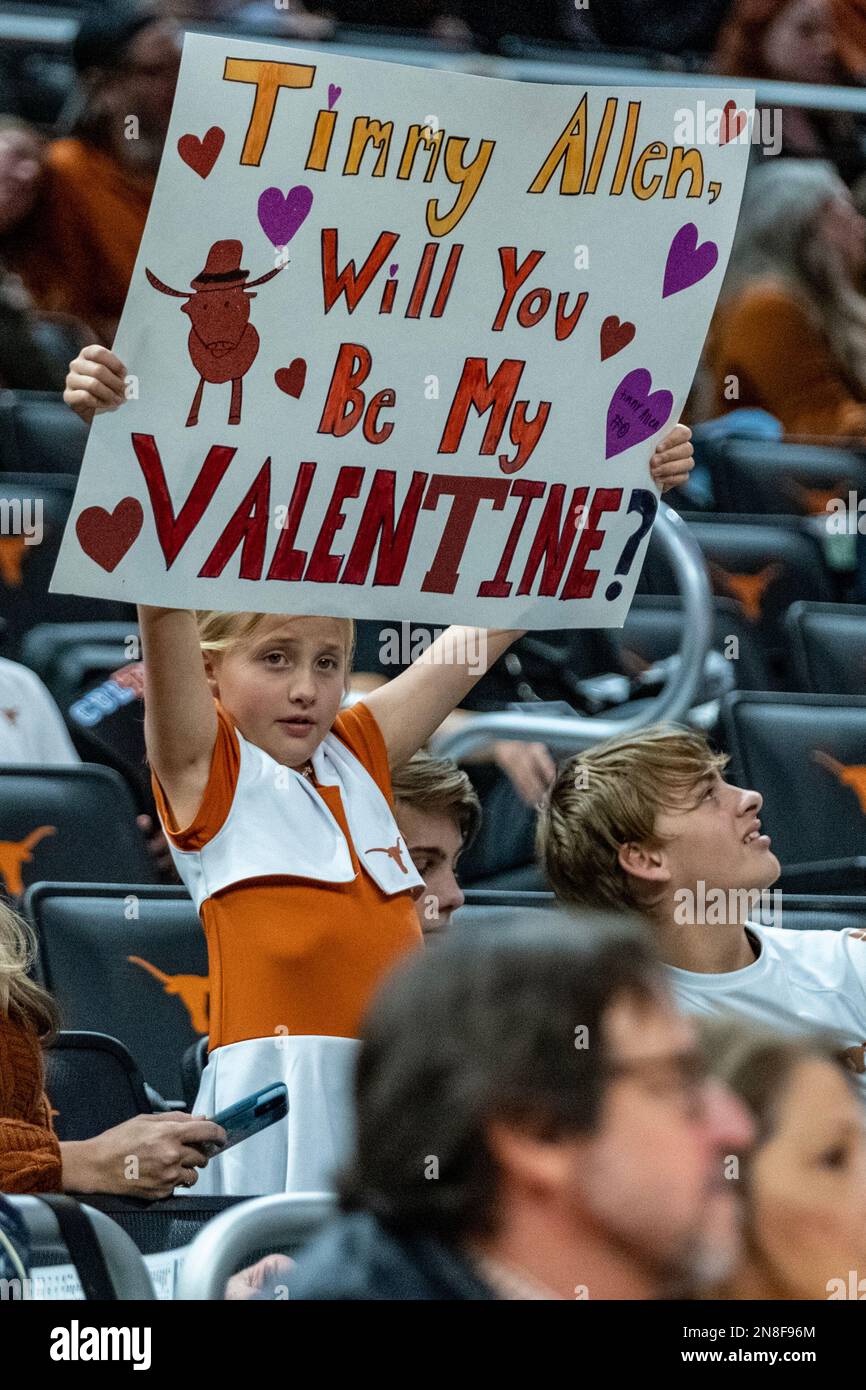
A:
615, 336
732, 122
201, 155
291, 379
106, 536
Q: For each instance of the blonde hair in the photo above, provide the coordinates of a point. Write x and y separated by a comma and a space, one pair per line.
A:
219, 631
22, 999
610, 795
439, 785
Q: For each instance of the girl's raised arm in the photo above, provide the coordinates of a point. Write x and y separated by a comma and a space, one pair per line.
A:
412, 706
180, 721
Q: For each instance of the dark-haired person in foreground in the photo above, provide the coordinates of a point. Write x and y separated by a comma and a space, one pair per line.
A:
646, 822
533, 1122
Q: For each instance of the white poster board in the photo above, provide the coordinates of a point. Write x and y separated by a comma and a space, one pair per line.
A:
401, 342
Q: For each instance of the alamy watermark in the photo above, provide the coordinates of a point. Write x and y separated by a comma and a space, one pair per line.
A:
712, 125
400, 646
22, 516
716, 907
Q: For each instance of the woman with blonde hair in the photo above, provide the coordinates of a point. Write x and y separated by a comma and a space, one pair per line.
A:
169, 1147
803, 1181
789, 334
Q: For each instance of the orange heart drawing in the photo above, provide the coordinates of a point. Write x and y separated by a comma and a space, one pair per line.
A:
201, 155
291, 379
615, 336
107, 536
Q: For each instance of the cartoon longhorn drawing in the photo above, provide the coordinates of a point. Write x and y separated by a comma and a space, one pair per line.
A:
222, 341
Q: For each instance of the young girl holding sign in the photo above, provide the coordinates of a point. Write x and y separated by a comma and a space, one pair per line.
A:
277, 807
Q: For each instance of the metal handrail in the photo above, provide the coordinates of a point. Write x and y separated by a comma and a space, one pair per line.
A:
284, 1219
564, 734
56, 30
126, 1268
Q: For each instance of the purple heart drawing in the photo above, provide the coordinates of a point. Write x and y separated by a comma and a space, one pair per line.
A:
334, 94
635, 412
392, 269
281, 214
687, 263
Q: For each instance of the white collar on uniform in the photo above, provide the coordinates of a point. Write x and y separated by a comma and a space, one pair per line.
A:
316, 835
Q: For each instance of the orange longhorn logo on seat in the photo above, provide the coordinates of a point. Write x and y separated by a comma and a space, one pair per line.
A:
748, 589
192, 990
12, 550
392, 851
851, 775
14, 854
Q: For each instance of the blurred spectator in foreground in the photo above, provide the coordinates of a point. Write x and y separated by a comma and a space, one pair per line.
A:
789, 332
100, 178
793, 41
169, 1146
805, 1178
532, 1123
438, 813
35, 346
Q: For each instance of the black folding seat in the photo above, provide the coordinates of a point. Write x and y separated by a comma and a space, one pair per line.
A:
805, 755
129, 960
74, 824
773, 477
42, 503
828, 647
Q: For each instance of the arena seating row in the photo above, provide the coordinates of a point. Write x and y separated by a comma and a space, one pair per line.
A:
220, 1235
128, 967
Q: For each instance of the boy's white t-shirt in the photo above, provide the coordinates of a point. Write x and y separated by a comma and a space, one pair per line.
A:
801, 980
31, 726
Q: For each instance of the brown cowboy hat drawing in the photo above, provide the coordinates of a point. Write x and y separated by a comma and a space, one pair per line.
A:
221, 271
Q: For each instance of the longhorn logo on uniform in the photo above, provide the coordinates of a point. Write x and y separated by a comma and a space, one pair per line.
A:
393, 852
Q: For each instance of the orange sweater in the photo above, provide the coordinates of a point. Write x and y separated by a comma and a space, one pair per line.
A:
782, 363
29, 1149
81, 253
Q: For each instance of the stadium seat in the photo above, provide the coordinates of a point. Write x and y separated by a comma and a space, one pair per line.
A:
802, 753
232, 1240
130, 961
75, 824
69, 657
126, 1268
39, 434
169, 1223
91, 672
776, 478
653, 630
828, 647
765, 565
26, 569
92, 1083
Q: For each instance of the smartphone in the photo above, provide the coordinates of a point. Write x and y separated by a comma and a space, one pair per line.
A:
248, 1116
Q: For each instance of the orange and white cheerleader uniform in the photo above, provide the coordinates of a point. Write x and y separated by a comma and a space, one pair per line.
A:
306, 898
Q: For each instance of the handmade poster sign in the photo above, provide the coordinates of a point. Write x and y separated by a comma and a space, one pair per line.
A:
401, 342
